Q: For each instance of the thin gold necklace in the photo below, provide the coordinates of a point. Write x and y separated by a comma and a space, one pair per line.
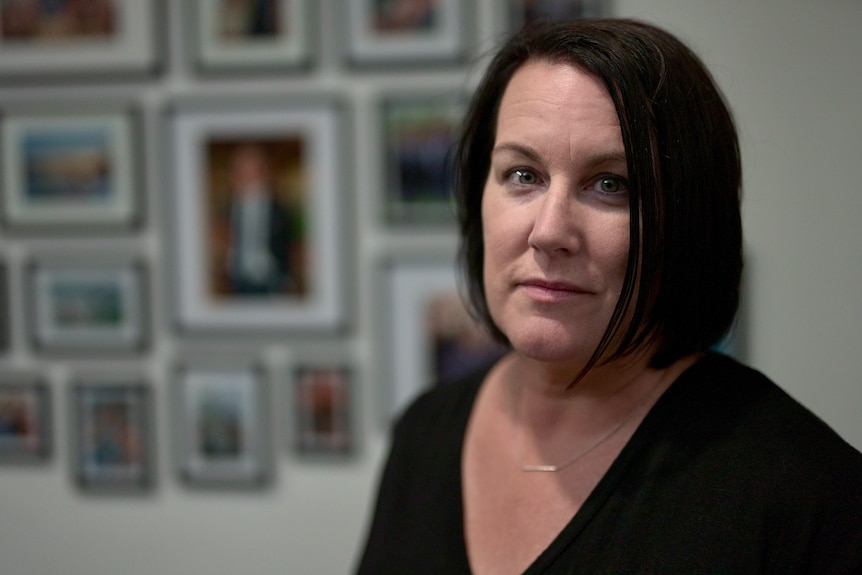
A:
533, 467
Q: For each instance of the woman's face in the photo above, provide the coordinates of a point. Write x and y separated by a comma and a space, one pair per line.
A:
555, 213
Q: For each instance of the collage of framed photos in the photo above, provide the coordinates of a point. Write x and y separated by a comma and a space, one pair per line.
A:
259, 224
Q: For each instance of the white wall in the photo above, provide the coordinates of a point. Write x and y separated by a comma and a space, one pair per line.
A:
791, 71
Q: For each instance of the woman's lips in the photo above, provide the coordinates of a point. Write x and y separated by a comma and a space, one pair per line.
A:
552, 291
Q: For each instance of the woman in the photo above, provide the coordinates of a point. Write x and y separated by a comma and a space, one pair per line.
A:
601, 241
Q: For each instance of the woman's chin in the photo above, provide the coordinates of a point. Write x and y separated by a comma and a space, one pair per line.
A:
553, 347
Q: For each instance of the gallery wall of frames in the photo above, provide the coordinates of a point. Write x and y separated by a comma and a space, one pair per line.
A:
226, 236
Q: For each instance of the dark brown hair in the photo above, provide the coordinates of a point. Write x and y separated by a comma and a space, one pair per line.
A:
681, 289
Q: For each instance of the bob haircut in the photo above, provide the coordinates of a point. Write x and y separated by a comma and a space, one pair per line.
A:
682, 282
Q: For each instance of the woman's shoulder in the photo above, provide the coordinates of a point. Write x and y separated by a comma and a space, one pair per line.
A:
736, 405
441, 403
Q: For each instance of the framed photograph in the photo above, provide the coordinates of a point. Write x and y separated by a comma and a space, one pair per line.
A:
322, 410
72, 171
523, 12
386, 32
419, 136
5, 320
65, 38
25, 418
87, 305
259, 200
251, 35
430, 337
222, 426
112, 434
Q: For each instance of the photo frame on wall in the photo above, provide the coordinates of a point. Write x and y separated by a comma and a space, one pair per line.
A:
323, 413
92, 305
419, 135
112, 434
70, 167
259, 215
222, 426
404, 32
519, 13
25, 418
429, 337
251, 36
5, 320
61, 40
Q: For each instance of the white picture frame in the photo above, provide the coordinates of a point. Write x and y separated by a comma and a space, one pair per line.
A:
221, 425
88, 303
120, 39
112, 434
302, 139
425, 323
228, 42
73, 171
323, 411
434, 32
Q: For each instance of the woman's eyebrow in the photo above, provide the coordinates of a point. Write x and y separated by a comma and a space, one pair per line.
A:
517, 149
592, 159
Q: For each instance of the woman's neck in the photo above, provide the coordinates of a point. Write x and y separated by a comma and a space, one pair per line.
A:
543, 405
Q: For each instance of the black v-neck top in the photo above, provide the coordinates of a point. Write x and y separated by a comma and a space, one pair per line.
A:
727, 474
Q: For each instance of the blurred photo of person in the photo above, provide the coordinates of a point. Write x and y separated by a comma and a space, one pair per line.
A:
323, 414
114, 440
244, 19
257, 259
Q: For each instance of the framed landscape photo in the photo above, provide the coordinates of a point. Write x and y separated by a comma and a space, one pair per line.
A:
113, 434
419, 134
222, 426
322, 410
74, 170
83, 305
259, 215
25, 418
60, 39
430, 338
404, 32
251, 35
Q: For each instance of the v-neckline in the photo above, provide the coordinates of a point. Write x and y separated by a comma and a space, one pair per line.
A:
606, 486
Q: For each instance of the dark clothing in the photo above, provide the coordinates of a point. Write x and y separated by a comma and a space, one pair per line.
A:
726, 475
278, 238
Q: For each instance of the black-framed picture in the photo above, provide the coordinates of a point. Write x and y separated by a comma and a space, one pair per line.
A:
429, 337
260, 204
25, 418
251, 35
113, 447
87, 303
222, 425
323, 411
406, 32
61, 39
519, 13
420, 131
70, 167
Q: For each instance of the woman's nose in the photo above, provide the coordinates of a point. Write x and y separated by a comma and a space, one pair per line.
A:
554, 227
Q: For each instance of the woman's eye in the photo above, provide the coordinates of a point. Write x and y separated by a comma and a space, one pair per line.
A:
611, 185
523, 177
